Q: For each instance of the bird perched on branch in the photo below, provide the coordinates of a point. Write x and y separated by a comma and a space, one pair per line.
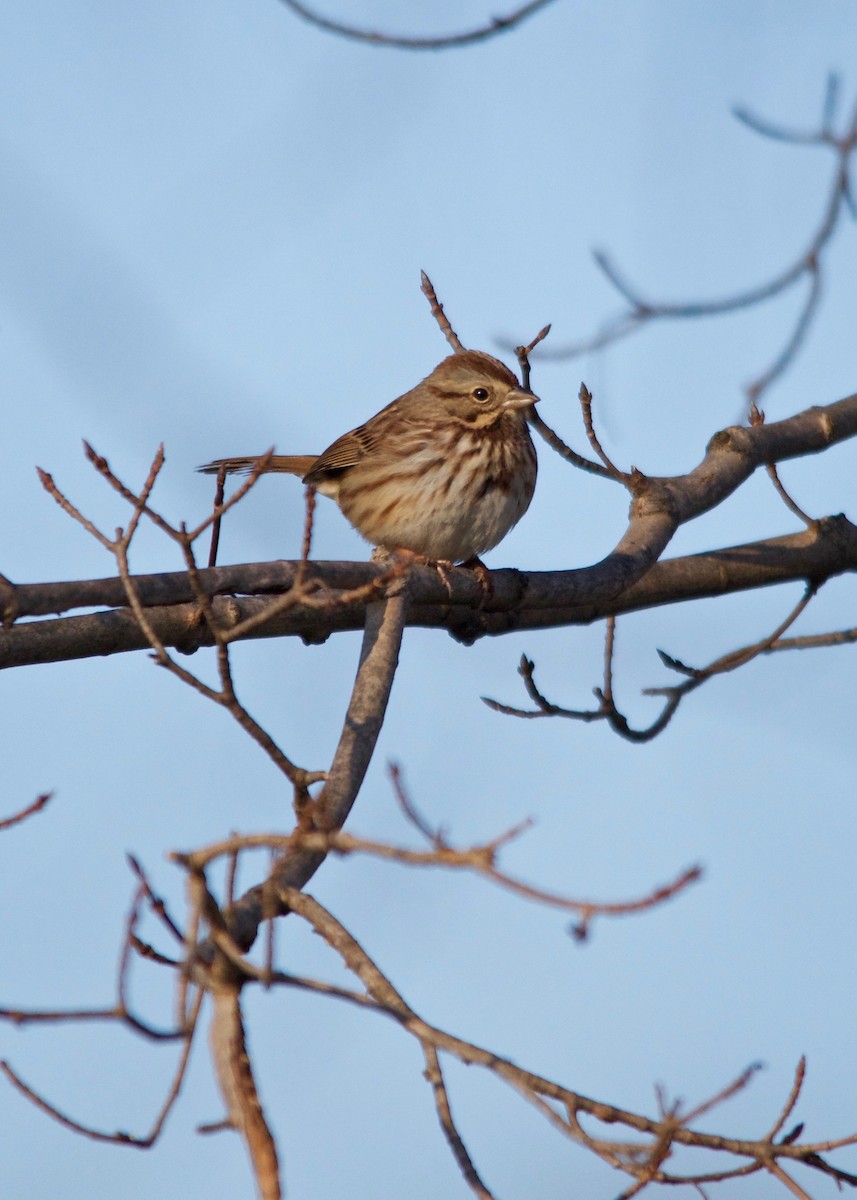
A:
445, 471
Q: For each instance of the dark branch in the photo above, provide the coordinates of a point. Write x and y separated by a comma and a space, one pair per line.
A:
439, 42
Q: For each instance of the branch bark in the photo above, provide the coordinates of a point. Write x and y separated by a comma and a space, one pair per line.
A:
379, 657
520, 601
626, 580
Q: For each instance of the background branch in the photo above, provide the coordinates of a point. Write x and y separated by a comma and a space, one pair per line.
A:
397, 41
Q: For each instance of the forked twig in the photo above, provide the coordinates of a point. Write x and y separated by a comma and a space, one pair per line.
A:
607, 709
585, 398
642, 311
119, 546
538, 423
640, 1161
434, 1075
119, 1137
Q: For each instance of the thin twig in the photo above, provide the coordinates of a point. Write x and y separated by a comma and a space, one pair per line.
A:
435, 837
607, 709
219, 492
522, 353
642, 311
791, 1100
434, 1075
31, 809
427, 289
156, 902
480, 859
382, 997
439, 42
564, 451
119, 1137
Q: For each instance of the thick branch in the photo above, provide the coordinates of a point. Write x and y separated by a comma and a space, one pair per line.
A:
623, 581
379, 656
519, 601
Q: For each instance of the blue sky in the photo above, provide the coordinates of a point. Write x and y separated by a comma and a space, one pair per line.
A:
214, 221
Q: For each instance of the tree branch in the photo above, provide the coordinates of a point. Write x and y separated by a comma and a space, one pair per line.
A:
439, 42
520, 601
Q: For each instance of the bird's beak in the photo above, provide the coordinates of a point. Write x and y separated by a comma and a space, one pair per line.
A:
518, 398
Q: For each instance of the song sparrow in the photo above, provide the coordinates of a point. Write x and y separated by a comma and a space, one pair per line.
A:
444, 471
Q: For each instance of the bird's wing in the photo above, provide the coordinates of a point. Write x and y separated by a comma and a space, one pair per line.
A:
345, 452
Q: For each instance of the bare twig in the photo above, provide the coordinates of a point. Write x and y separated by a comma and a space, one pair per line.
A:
47, 482
639, 1161
731, 1089
219, 492
757, 417
480, 859
427, 289
440, 42
434, 1075
564, 451
789, 502
607, 709
119, 1137
814, 641
435, 837
786, 1180
540, 425
791, 1100
522, 353
642, 311
31, 809
585, 398
156, 903
34, 1016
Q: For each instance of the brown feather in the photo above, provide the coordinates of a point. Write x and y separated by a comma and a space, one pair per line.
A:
444, 471
346, 451
286, 464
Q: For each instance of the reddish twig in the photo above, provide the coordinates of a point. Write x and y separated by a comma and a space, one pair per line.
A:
31, 809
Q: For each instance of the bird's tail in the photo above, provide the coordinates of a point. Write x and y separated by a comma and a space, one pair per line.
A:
289, 464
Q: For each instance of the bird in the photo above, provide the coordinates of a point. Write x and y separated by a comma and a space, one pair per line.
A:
443, 472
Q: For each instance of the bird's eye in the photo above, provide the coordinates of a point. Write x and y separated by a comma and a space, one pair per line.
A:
480, 393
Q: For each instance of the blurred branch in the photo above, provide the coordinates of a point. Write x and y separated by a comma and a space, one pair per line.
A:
234, 1072
479, 859
119, 1137
439, 42
120, 1012
809, 264
434, 1076
37, 805
670, 1130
